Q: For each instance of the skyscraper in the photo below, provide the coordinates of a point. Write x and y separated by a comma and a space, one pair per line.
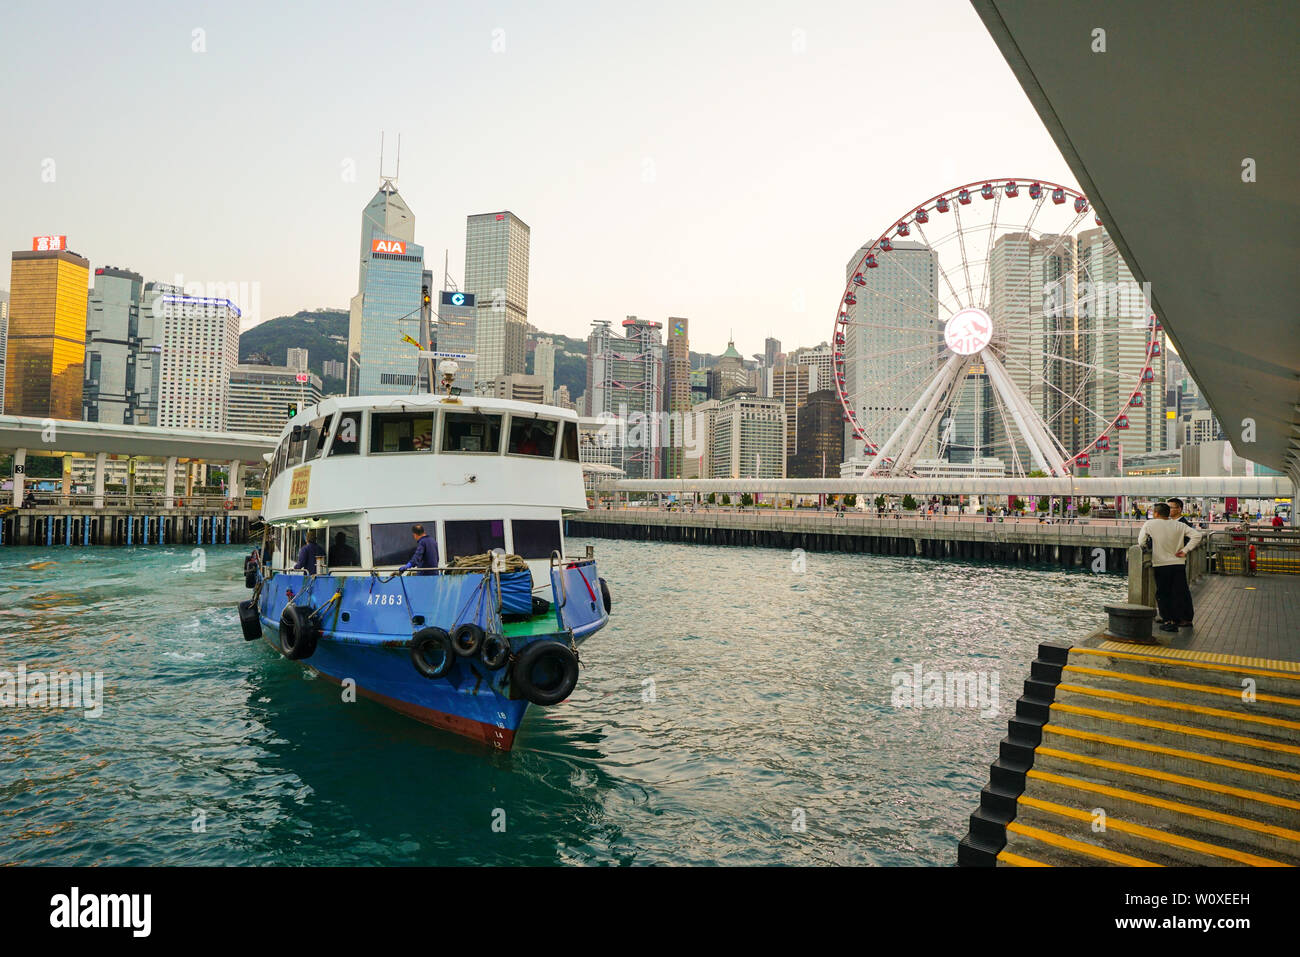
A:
1032, 302
261, 397
1113, 313
296, 359
456, 332
46, 339
790, 385
748, 438
544, 364
677, 393
496, 274
387, 303
819, 447
4, 342
200, 350
625, 379
893, 341
729, 374
122, 364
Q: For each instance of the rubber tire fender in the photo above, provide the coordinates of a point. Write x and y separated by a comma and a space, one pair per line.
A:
299, 631
429, 639
467, 639
521, 678
249, 620
494, 652
604, 596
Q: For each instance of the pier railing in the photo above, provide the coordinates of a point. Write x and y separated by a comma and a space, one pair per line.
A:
1142, 578
140, 499
858, 522
1254, 551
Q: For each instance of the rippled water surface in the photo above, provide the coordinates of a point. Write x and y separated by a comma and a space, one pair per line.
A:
771, 706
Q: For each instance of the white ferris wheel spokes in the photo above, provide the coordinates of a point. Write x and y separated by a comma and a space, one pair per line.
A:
970, 337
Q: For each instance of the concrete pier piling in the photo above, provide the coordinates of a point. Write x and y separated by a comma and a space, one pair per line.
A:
1102, 548
55, 527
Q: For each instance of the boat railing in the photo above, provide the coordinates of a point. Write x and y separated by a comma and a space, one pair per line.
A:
388, 572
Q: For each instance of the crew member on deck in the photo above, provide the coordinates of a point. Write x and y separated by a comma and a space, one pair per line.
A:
425, 556
308, 554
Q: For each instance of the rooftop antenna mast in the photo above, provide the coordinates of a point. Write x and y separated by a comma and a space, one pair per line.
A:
389, 183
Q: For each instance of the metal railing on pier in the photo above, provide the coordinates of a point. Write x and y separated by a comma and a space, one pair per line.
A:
1253, 551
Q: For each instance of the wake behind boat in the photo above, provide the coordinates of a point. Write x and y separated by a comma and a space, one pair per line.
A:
490, 615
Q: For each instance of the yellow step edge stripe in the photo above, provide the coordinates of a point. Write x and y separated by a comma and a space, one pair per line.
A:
1184, 729
1171, 752
1179, 706
1169, 777
1019, 860
1079, 847
1182, 685
1183, 663
1187, 654
1151, 834
1191, 810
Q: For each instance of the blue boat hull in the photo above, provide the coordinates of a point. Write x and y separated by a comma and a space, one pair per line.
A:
368, 623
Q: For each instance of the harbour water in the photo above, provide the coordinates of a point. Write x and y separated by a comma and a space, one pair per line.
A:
737, 710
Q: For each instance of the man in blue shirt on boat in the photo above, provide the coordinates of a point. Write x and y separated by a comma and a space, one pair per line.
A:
308, 554
425, 556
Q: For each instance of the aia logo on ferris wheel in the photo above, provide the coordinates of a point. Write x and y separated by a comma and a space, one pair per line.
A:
969, 331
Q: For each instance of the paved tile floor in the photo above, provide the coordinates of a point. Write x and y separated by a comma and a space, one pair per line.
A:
1256, 617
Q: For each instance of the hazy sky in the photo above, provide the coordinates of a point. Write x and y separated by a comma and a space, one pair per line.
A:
718, 161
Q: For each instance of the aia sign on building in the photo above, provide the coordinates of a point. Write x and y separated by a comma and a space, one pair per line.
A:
44, 244
395, 246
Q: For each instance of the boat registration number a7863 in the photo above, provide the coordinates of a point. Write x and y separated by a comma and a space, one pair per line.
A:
383, 599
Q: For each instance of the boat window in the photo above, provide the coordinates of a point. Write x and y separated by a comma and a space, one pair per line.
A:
314, 440
282, 456
393, 544
344, 546
569, 442
474, 538
536, 538
401, 432
532, 437
471, 432
347, 440
296, 442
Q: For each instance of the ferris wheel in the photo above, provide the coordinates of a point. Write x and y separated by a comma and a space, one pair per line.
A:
995, 329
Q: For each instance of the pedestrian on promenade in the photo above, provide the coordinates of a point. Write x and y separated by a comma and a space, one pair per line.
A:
1170, 541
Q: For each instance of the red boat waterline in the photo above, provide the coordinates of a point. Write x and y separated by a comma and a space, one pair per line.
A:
500, 739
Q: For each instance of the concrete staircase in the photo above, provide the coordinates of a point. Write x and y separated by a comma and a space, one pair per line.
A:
1146, 760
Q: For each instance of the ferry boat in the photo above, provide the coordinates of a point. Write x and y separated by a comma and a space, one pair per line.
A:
495, 619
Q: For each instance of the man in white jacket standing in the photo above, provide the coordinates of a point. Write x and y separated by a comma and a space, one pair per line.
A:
1170, 541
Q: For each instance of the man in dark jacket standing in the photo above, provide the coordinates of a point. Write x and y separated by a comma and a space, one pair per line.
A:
308, 554
425, 556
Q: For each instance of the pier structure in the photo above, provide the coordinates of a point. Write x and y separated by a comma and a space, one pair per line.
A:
136, 515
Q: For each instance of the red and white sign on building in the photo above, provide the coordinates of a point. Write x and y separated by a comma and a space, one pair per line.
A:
301, 377
388, 246
42, 244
